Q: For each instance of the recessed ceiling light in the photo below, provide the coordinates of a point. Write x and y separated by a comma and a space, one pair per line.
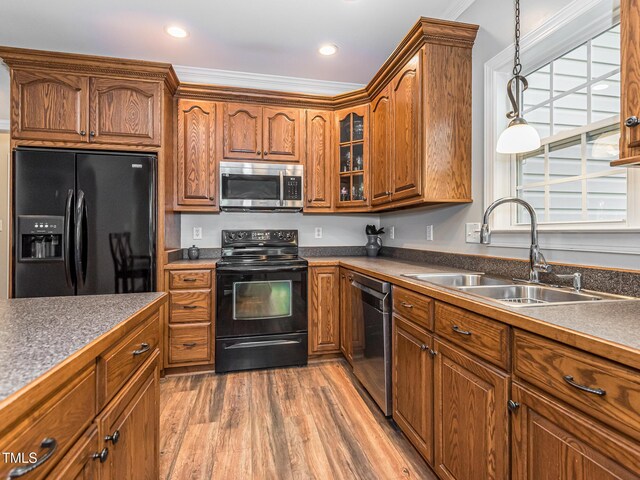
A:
177, 32
600, 86
328, 49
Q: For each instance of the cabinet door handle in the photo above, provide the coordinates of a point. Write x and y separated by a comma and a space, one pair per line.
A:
189, 307
48, 443
102, 456
113, 438
457, 329
189, 345
423, 347
584, 388
513, 406
189, 279
92, 133
406, 305
632, 121
265, 153
83, 133
212, 198
144, 348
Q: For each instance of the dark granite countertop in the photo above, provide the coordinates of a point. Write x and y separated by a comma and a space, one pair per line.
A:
614, 322
36, 334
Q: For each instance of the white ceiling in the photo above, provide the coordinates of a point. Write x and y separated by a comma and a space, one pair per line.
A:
277, 37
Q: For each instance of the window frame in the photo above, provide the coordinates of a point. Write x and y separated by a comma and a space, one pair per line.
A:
571, 27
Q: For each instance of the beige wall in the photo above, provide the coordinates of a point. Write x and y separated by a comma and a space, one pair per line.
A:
4, 214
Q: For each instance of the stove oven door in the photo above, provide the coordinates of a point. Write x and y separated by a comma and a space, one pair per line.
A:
258, 301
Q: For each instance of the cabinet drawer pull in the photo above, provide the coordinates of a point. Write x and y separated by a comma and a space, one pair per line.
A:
102, 456
189, 345
632, 121
48, 443
113, 438
423, 347
457, 329
189, 279
189, 307
584, 388
144, 348
406, 305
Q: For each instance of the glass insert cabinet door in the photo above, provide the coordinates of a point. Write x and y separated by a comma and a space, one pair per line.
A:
352, 156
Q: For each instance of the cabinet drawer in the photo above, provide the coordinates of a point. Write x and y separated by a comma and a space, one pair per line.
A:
62, 419
480, 335
413, 306
592, 384
190, 343
190, 279
122, 360
190, 306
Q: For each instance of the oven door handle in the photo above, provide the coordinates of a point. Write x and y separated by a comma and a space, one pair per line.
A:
262, 343
281, 174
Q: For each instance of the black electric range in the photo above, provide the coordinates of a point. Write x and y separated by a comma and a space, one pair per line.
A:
261, 301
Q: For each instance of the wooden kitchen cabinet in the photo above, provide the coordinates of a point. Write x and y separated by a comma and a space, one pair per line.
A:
381, 160
412, 374
352, 187
324, 310
129, 427
346, 315
471, 423
406, 137
49, 106
629, 81
552, 441
253, 132
196, 168
318, 160
190, 332
83, 461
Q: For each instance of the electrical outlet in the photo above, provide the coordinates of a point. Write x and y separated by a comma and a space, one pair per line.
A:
429, 233
472, 233
392, 232
197, 233
318, 232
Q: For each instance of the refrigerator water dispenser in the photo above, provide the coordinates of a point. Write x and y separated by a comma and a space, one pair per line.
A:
40, 238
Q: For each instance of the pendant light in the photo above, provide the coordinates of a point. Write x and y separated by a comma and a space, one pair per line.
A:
519, 136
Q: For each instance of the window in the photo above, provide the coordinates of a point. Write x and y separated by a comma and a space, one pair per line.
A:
574, 103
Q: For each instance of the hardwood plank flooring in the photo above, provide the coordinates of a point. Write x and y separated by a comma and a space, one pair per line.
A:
313, 422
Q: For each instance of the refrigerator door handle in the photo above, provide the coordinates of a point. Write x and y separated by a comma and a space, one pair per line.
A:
80, 240
67, 243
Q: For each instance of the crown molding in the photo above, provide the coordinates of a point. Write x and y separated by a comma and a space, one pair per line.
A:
4, 125
261, 81
456, 9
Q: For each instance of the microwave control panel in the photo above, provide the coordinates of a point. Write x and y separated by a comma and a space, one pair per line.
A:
292, 188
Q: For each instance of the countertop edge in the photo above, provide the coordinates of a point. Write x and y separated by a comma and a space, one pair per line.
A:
617, 352
44, 386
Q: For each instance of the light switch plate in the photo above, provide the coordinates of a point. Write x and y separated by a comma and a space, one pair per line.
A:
472, 233
197, 233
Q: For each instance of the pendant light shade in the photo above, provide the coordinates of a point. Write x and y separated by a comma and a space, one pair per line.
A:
519, 136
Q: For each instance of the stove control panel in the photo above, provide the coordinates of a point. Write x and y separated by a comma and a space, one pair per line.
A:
230, 237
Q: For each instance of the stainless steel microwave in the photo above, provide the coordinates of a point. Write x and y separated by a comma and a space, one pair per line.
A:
261, 186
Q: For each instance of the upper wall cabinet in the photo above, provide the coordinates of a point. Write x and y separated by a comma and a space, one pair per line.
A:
196, 167
49, 106
630, 83
124, 111
381, 163
353, 157
52, 106
252, 132
318, 164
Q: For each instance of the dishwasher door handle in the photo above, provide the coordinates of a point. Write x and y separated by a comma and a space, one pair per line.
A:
370, 291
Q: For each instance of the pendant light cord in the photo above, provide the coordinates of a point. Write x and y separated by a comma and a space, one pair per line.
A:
517, 66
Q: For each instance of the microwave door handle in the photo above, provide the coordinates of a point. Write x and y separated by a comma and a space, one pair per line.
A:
281, 173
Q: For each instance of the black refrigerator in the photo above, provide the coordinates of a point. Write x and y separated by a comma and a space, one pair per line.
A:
84, 222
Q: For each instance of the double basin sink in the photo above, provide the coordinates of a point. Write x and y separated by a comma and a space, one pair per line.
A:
510, 293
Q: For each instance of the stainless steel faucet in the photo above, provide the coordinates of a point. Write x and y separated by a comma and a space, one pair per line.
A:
537, 262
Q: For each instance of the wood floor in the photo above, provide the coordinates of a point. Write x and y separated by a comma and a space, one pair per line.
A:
295, 423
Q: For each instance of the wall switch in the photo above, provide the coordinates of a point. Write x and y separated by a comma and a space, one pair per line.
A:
472, 233
197, 233
1, 225
318, 232
429, 233
392, 232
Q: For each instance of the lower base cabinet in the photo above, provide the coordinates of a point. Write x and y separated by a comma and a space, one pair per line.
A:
471, 417
80, 463
551, 441
324, 310
129, 427
413, 384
